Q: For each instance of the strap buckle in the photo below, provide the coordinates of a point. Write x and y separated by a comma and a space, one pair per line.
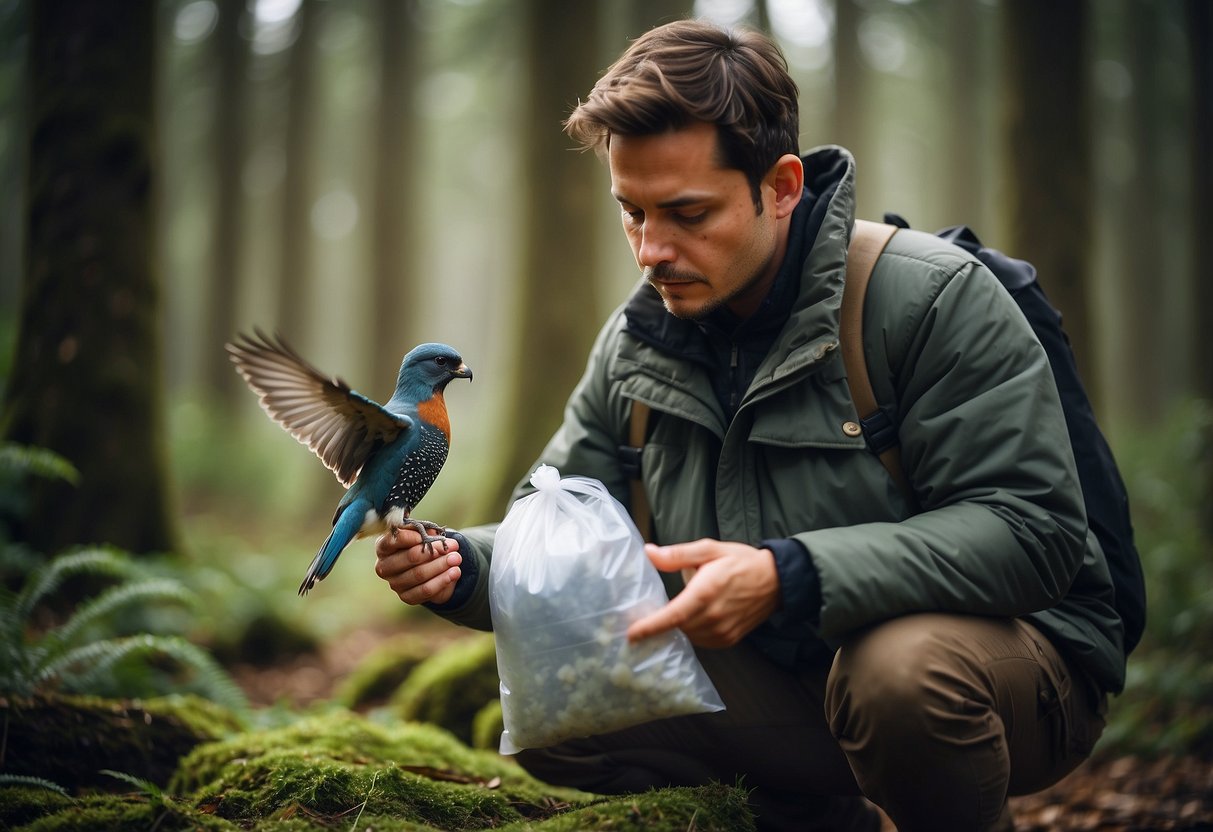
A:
629, 461
879, 431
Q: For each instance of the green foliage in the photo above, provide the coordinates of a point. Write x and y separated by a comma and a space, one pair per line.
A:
148, 788
33, 782
1167, 472
82, 654
19, 463
1167, 705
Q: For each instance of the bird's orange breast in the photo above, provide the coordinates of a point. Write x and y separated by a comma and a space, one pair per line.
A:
433, 411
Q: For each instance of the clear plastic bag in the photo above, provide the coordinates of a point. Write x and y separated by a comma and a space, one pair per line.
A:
569, 575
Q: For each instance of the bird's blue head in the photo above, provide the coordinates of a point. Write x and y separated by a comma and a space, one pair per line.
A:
427, 370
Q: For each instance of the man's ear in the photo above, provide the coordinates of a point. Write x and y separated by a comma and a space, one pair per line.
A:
786, 177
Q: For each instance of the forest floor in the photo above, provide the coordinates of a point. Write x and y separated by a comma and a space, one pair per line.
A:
1108, 793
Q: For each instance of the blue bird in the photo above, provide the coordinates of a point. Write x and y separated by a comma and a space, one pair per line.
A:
387, 456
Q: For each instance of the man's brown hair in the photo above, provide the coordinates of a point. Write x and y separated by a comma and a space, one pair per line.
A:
692, 70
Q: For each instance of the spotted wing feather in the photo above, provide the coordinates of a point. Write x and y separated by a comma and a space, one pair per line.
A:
339, 425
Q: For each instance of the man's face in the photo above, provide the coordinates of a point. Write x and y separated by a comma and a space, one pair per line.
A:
693, 225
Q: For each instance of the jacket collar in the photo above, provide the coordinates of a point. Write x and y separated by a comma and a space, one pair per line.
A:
816, 281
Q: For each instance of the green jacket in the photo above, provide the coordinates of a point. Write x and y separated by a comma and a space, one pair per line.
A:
1002, 530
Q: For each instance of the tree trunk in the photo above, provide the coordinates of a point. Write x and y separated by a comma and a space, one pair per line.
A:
294, 281
229, 206
397, 146
1047, 175
1199, 19
1144, 284
86, 382
851, 101
963, 45
557, 318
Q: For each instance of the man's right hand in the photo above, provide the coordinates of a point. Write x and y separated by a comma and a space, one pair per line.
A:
413, 573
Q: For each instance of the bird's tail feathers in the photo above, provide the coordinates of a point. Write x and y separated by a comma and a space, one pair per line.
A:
345, 528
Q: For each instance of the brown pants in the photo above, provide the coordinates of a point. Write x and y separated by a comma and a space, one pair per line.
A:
935, 718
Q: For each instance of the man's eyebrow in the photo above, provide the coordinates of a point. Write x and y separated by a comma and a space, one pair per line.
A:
681, 201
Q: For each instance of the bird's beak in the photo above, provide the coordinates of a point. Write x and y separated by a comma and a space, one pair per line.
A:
462, 371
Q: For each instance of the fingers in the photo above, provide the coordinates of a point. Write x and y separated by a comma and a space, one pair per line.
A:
416, 574
673, 615
735, 588
683, 555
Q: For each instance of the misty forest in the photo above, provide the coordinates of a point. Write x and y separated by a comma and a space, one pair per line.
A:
362, 176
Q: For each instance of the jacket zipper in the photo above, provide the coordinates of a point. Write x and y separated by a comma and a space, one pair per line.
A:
733, 361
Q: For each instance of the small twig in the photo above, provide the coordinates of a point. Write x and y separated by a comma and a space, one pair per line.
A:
369, 792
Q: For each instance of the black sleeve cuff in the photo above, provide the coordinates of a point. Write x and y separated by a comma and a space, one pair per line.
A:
799, 583
470, 572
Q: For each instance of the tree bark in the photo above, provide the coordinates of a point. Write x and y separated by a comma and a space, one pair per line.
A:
1199, 19
231, 145
557, 318
1145, 285
294, 281
397, 147
1047, 176
86, 381
851, 94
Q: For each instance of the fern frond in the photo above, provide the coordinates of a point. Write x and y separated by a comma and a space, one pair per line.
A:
118, 598
95, 561
37, 782
146, 786
100, 657
40, 462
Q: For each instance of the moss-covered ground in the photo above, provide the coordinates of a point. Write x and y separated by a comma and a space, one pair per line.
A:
179, 764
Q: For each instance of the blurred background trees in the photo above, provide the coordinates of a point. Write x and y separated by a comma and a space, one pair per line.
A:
86, 377
364, 175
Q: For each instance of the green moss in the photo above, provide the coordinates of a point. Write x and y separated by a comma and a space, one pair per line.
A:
340, 762
325, 771
382, 671
279, 782
116, 812
450, 687
487, 726
22, 804
714, 808
68, 739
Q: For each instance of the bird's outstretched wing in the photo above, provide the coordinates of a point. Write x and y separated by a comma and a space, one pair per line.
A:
341, 426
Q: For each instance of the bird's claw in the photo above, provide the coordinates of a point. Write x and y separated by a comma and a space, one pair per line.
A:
423, 528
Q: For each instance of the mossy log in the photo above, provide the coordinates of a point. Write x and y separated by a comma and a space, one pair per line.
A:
329, 771
382, 672
449, 688
69, 739
487, 726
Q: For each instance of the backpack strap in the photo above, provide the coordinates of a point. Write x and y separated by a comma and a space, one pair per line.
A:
638, 425
868, 241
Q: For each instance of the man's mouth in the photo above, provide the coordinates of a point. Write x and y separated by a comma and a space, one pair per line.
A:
667, 276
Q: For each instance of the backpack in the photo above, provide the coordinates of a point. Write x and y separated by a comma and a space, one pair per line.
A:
1103, 489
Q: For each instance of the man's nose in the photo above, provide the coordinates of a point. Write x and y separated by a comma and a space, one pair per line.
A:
655, 248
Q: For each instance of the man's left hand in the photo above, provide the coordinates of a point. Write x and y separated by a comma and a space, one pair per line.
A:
734, 589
